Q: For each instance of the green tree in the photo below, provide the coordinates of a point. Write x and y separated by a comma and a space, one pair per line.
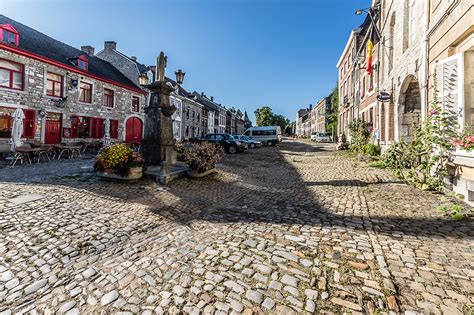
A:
334, 115
280, 120
264, 116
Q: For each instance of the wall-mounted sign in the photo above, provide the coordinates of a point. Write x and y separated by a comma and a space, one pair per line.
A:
66, 132
42, 113
384, 97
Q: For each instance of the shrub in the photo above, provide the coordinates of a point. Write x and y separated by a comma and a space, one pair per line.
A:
119, 158
343, 145
371, 149
203, 156
360, 135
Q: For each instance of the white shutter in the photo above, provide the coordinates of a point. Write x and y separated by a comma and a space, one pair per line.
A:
450, 86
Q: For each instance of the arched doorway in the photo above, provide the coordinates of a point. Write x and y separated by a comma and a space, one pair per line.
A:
133, 130
409, 109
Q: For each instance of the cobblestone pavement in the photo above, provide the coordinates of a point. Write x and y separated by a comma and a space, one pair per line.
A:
295, 229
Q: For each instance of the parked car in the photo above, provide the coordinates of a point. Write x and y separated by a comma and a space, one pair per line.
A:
269, 135
230, 144
250, 142
321, 137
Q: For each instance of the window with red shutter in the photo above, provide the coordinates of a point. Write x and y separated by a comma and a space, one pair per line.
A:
114, 129
29, 123
74, 126
108, 98
97, 128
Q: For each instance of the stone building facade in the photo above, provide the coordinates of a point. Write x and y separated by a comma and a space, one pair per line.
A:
193, 116
403, 68
319, 115
64, 99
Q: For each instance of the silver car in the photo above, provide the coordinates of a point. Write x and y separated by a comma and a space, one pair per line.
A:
250, 142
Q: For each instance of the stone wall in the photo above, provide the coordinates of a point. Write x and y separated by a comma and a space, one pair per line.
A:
407, 62
34, 97
192, 119
122, 63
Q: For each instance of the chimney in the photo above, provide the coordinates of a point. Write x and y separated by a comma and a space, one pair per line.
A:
310, 107
202, 94
110, 45
88, 50
134, 58
212, 98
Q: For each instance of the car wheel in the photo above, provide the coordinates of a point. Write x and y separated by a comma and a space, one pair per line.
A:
232, 149
252, 145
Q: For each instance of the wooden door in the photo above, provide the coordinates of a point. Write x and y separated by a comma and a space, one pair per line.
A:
52, 132
133, 130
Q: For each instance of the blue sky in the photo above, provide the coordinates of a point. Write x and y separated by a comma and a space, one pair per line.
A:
245, 53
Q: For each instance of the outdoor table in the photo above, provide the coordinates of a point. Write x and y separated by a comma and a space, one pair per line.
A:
24, 152
70, 150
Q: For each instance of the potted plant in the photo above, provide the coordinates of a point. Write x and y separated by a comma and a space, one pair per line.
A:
202, 158
119, 162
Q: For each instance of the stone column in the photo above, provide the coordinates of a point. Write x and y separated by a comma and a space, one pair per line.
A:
158, 142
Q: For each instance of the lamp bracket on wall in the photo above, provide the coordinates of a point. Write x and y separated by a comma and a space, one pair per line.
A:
61, 103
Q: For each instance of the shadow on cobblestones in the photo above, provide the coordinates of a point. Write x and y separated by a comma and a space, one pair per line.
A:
278, 227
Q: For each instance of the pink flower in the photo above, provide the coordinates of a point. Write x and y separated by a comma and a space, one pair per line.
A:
456, 142
433, 112
469, 138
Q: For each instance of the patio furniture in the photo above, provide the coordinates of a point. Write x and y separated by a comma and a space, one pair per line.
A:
69, 150
27, 153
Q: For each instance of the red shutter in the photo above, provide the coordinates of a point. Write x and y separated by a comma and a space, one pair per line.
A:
74, 126
29, 123
114, 129
97, 128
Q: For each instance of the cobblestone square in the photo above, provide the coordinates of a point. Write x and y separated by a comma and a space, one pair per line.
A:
294, 229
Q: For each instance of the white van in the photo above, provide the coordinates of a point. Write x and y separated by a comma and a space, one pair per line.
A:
269, 135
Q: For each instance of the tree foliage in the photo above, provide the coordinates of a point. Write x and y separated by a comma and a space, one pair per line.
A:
334, 115
265, 117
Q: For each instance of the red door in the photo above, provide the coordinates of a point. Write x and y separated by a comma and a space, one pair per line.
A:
133, 130
52, 132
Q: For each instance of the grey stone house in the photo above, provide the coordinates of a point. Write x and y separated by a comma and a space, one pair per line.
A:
65, 93
210, 121
192, 117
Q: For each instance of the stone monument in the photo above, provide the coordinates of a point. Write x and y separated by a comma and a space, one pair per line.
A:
158, 142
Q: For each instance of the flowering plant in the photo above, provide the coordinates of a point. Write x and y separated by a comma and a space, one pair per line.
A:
119, 158
464, 143
202, 156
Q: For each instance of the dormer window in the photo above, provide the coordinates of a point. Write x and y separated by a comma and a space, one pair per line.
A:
9, 35
82, 63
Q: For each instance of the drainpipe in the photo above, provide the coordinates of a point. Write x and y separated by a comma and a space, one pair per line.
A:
425, 65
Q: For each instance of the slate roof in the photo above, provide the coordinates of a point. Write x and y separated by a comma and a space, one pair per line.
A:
206, 102
38, 43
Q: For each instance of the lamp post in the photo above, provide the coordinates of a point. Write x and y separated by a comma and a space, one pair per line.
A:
158, 141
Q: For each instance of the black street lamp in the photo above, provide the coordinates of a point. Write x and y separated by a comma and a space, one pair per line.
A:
180, 76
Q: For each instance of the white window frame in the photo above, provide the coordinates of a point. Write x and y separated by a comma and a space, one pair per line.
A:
460, 89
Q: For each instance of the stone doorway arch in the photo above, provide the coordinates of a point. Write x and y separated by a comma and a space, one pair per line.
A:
409, 108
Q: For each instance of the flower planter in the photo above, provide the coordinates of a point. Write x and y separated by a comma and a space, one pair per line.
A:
196, 174
109, 175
